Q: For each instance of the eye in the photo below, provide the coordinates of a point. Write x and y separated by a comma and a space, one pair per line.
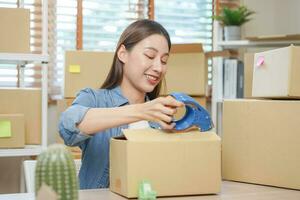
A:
149, 56
164, 61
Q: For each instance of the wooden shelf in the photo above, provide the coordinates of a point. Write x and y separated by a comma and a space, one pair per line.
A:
20, 58
29, 150
248, 43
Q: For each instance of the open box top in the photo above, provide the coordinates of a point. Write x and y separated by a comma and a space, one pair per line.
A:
150, 134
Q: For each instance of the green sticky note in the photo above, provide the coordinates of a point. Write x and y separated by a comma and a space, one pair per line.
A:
5, 128
74, 69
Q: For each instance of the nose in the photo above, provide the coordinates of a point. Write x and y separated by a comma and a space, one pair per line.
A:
158, 66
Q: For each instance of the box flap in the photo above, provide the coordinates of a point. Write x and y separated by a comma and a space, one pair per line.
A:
159, 135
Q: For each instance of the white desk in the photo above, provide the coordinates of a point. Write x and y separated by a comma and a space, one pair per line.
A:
230, 191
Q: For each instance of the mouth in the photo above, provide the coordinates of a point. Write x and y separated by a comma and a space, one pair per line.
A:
152, 79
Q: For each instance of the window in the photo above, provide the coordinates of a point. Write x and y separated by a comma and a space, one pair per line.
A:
187, 22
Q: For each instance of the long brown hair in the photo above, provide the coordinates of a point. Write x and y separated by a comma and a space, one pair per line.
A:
133, 34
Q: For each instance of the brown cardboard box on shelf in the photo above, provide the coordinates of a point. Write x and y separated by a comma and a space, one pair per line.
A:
85, 69
248, 74
175, 164
260, 142
12, 133
276, 73
62, 105
27, 101
187, 71
15, 30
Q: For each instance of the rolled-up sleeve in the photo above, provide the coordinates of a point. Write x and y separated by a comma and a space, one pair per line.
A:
73, 116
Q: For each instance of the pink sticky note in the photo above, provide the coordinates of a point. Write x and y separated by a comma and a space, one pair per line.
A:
260, 61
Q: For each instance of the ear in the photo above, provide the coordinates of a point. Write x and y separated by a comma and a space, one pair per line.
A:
123, 54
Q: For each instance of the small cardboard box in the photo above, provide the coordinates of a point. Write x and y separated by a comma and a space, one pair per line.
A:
276, 73
175, 164
27, 101
85, 69
187, 71
260, 142
15, 30
12, 133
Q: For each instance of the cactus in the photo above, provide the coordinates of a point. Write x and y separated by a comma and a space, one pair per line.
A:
55, 167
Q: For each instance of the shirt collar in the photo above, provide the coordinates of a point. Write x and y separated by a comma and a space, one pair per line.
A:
119, 99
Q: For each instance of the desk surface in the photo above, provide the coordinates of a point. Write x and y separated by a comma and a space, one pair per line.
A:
230, 191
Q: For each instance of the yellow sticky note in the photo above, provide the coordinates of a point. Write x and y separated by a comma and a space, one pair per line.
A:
5, 128
74, 68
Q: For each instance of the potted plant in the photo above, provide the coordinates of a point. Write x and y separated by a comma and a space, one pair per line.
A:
232, 19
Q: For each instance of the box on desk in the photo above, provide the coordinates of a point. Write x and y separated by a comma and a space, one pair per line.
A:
174, 164
260, 142
276, 73
27, 101
12, 133
85, 69
15, 30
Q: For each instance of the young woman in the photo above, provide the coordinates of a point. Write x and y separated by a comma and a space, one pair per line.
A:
127, 99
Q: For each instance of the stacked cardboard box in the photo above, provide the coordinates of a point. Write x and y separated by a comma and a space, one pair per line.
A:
26, 101
15, 30
261, 138
20, 122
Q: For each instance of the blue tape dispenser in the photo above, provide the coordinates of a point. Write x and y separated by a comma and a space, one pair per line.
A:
195, 114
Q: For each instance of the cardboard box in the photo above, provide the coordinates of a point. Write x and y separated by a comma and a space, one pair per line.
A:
62, 105
12, 133
27, 101
248, 74
187, 72
174, 164
15, 30
85, 69
276, 73
260, 142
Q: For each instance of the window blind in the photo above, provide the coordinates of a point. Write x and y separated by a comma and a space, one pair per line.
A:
105, 20
187, 22
62, 36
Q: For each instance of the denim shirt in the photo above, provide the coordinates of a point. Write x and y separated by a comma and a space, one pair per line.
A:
94, 171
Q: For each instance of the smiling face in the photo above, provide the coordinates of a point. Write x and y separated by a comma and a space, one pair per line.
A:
145, 65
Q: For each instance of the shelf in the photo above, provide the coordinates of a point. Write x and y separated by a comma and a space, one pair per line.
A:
29, 150
248, 43
20, 58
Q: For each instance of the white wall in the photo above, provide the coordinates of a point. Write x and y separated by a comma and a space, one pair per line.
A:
272, 17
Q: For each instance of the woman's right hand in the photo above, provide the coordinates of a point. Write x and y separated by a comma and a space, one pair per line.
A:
160, 110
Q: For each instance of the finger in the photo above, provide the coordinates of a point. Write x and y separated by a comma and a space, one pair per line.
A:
163, 117
166, 126
170, 101
168, 110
